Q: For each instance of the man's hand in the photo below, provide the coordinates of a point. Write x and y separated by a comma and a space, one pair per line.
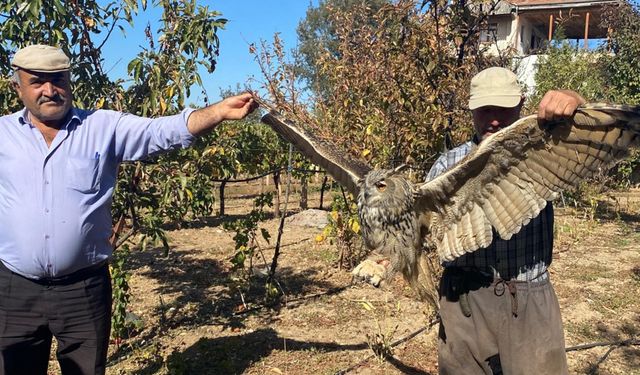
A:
236, 107
558, 104
231, 108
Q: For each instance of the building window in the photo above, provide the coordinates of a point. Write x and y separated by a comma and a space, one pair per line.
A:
490, 33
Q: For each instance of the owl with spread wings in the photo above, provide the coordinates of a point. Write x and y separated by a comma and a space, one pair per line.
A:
504, 183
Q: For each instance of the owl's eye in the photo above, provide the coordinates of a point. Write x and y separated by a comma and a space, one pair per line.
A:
381, 186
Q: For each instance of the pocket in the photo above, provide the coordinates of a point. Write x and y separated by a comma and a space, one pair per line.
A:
82, 174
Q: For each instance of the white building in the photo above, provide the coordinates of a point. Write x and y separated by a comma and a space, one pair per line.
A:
522, 27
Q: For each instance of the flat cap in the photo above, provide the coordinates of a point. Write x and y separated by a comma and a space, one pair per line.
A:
41, 58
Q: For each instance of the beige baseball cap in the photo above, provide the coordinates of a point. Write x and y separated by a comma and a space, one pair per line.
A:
496, 87
41, 58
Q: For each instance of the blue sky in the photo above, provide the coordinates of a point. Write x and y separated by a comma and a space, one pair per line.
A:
249, 22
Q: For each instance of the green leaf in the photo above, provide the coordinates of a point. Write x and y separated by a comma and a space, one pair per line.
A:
34, 8
22, 7
265, 234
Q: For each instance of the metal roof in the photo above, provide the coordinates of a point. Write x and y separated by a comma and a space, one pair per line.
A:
554, 4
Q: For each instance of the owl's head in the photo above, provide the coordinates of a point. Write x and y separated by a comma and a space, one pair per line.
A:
386, 187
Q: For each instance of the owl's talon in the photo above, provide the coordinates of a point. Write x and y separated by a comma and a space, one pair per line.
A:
371, 272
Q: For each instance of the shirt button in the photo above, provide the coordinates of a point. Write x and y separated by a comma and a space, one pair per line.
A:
46, 236
46, 182
46, 210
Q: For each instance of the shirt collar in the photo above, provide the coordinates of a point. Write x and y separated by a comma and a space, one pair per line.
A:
23, 117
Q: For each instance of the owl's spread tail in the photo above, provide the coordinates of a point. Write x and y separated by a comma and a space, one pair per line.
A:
425, 277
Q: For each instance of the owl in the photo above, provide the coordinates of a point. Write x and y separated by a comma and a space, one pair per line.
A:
504, 183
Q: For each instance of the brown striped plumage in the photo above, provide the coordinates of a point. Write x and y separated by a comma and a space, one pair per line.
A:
503, 184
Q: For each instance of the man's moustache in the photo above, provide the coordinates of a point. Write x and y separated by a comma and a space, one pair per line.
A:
56, 99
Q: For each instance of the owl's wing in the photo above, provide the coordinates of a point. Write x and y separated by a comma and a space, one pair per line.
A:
508, 179
347, 172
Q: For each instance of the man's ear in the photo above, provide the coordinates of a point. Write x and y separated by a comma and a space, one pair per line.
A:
15, 81
16, 87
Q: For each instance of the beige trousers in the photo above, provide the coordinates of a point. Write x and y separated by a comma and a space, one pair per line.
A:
514, 328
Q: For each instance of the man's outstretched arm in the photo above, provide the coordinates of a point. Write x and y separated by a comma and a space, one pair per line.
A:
232, 108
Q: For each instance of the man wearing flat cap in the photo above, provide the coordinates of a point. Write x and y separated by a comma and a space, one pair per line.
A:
57, 176
499, 312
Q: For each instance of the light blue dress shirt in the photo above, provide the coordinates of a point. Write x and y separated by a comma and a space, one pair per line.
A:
55, 202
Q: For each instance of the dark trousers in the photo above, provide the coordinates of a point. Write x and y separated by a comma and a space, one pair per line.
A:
76, 310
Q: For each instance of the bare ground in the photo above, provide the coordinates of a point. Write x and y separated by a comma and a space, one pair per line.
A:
194, 320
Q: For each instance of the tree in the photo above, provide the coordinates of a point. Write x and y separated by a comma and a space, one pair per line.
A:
317, 33
389, 79
622, 71
564, 67
622, 68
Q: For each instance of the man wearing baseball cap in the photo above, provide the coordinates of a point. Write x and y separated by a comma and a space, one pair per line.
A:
499, 312
57, 177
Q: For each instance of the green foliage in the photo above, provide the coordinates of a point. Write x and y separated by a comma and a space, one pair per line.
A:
247, 245
242, 148
387, 79
121, 294
246, 237
343, 230
317, 33
564, 67
76, 27
626, 173
164, 72
622, 67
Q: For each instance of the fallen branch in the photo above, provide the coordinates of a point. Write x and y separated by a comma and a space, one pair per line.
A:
408, 337
628, 342
288, 301
613, 345
594, 368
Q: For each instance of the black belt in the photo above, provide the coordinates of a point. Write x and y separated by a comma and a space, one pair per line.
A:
71, 278
457, 282
461, 280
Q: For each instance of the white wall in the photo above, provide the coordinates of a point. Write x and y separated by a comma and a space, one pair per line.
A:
505, 35
525, 68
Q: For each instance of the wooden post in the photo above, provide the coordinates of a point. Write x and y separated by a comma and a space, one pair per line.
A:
304, 192
517, 43
221, 196
550, 27
322, 188
278, 191
586, 31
